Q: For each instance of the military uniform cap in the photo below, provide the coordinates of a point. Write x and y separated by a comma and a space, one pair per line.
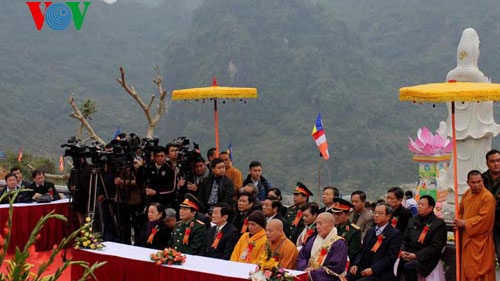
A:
302, 188
341, 205
190, 201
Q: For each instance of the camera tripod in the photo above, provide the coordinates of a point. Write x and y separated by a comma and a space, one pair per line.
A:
96, 178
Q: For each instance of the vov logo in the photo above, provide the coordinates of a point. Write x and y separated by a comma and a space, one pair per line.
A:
58, 16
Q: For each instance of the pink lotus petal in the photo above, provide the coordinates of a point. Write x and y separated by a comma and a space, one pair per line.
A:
427, 143
419, 142
415, 150
426, 135
428, 150
413, 145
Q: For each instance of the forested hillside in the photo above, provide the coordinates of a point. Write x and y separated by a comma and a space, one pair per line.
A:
343, 59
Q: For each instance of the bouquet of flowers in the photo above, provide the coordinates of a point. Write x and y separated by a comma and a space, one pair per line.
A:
168, 256
88, 239
268, 268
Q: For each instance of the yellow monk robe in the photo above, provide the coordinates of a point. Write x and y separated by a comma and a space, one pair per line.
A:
287, 252
478, 247
248, 249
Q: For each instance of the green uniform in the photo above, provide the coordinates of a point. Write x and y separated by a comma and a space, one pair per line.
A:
293, 231
352, 234
196, 241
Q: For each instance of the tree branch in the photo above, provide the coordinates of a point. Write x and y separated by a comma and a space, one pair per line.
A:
162, 105
133, 93
77, 114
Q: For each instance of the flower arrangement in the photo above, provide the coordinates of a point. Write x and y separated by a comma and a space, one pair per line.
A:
18, 267
168, 256
87, 238
268, 268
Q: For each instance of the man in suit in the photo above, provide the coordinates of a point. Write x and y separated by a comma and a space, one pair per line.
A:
400, 215
423, 241
41, 187
329, 193
255, 177
379, 251
11, 188
271, 207
361, 216
491, 179
21, 183
217, 187
245, 206
222, 237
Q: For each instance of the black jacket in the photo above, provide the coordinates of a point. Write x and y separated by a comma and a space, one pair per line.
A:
230, 236
224, 193
47, 187
160, 239
381, 261
22, 197
263, 186
402, 215
429, 252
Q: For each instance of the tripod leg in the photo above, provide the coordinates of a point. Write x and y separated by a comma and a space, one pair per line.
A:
113, 219
91, 204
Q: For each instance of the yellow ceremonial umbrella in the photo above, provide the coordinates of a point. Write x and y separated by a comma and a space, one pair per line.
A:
214, 92
452, 91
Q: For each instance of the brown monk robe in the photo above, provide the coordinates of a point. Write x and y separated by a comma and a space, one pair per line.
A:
476, 218
282, 248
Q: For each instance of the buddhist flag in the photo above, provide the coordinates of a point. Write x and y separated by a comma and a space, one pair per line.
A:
318, 134
61, 163
20, 155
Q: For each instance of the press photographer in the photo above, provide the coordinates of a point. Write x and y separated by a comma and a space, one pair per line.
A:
160, 178
78, 185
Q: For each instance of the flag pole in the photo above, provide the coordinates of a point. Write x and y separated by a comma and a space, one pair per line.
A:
319, 178
455, 189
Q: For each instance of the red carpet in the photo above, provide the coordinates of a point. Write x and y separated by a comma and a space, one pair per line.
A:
37, 258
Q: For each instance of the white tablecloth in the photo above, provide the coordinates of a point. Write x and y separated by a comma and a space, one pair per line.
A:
193, 263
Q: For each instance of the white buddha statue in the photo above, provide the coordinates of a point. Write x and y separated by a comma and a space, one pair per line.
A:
475, 126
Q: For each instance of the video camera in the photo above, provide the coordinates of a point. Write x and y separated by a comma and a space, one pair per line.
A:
118, 153
186, 157
76, 151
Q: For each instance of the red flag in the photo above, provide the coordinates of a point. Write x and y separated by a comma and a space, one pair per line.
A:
20, 155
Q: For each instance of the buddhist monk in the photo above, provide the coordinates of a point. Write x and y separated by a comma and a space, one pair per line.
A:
283, 249
475, 220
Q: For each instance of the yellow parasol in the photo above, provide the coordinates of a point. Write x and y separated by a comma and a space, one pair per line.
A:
214, 92
452, 92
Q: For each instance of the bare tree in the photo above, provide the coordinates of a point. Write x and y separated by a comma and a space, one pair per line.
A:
161, 107
82, 115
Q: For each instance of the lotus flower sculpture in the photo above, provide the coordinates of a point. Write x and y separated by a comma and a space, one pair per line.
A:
429, 144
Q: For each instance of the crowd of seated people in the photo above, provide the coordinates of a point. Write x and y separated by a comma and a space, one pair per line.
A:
210, 216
